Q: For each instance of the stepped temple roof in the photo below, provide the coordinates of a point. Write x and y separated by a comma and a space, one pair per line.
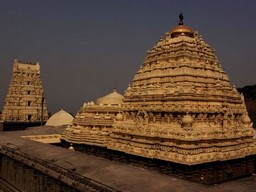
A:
180, 106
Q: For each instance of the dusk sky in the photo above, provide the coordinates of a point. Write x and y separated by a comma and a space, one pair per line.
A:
88, 48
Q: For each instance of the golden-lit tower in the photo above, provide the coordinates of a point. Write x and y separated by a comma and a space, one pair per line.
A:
181, 108
25, 102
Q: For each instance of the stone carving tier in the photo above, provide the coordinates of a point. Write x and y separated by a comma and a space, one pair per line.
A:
180, 106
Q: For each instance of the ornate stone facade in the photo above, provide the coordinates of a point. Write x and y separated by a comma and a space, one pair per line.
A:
24, 99
93, 123
180, 106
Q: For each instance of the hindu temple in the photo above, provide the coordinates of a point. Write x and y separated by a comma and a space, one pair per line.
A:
92, 124
180, 107
25, 104
179, 112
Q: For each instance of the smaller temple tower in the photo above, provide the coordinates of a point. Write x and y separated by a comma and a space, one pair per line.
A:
92, 125
25, 104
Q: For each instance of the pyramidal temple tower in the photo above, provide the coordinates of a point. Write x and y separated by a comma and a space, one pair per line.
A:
25, 103
180, 106
179, 115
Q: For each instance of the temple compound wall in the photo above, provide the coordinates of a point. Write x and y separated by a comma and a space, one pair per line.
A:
25, 102
21, 172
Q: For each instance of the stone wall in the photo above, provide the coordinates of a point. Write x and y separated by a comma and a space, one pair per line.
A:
16, 176
22, 172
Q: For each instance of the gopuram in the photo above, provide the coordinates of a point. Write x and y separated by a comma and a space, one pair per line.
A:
92, 125
179, 115
25, 104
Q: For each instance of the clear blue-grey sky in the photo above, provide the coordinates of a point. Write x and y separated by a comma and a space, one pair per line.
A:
88, 47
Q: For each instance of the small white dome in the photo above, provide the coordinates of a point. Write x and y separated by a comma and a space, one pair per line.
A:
113, 98
60, 118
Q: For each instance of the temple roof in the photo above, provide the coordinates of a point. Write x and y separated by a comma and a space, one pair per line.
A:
181, 65
25, 62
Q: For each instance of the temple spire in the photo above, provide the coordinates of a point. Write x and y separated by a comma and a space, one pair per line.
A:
181, 19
